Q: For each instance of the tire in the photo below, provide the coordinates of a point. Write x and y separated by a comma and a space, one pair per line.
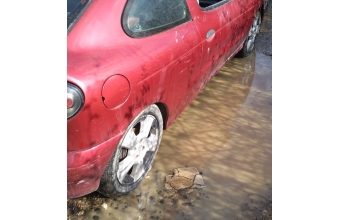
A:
249, 43
134, 155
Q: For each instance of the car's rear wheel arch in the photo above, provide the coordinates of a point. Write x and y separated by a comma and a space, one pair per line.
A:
164, 110
262, 11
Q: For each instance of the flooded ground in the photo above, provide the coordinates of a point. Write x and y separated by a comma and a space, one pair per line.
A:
226, 133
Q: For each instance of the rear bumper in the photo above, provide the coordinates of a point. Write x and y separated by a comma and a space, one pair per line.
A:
85, 168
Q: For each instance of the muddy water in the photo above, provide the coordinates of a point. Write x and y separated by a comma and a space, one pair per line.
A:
226, 133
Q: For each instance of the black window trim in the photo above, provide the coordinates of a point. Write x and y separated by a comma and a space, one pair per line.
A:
216, 5
153, 31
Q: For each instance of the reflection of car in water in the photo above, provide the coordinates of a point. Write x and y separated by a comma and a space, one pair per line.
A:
132, 68
246, 77
234, 80
204, 128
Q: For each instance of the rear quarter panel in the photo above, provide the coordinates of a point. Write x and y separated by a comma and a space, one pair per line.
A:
159, 68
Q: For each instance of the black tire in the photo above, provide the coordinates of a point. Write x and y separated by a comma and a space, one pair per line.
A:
249, 42
134, 156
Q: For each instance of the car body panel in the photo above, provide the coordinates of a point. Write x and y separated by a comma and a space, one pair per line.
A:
85, 168
169, 68
139, 61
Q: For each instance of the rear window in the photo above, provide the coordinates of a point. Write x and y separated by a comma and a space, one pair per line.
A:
75, 8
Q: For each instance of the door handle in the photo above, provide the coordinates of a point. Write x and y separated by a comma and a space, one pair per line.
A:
210, 34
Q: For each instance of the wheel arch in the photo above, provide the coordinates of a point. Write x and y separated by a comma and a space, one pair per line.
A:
262, 9
164, 110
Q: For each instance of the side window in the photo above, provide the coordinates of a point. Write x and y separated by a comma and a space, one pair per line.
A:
75, 9
210, 4
146, 17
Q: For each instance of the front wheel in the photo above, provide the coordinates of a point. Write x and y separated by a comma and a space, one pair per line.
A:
134, 156
249, 43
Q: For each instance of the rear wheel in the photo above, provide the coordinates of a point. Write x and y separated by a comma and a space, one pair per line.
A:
134, 155
249, 43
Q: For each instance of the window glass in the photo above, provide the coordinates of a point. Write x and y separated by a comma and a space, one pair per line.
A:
211, 4
146, 17
75, 8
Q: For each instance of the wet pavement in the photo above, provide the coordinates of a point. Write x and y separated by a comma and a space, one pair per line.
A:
226, 134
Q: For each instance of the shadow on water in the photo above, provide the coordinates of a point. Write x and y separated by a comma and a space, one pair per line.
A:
226, 133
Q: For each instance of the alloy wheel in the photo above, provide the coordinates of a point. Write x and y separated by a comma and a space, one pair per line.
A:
137, 149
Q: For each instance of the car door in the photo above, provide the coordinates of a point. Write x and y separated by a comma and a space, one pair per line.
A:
210, 29
218, 23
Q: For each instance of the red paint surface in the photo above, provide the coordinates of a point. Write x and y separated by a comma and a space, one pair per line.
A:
171, 68
115, 91
85, 168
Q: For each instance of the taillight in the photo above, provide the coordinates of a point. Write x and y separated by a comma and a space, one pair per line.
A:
75, 100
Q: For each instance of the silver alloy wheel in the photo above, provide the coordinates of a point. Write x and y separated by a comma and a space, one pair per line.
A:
254, 30
138, 149
135, 153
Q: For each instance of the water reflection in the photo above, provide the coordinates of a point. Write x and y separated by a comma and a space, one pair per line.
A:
226, 134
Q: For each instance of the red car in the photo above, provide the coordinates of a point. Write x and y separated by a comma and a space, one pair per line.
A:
132, 67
